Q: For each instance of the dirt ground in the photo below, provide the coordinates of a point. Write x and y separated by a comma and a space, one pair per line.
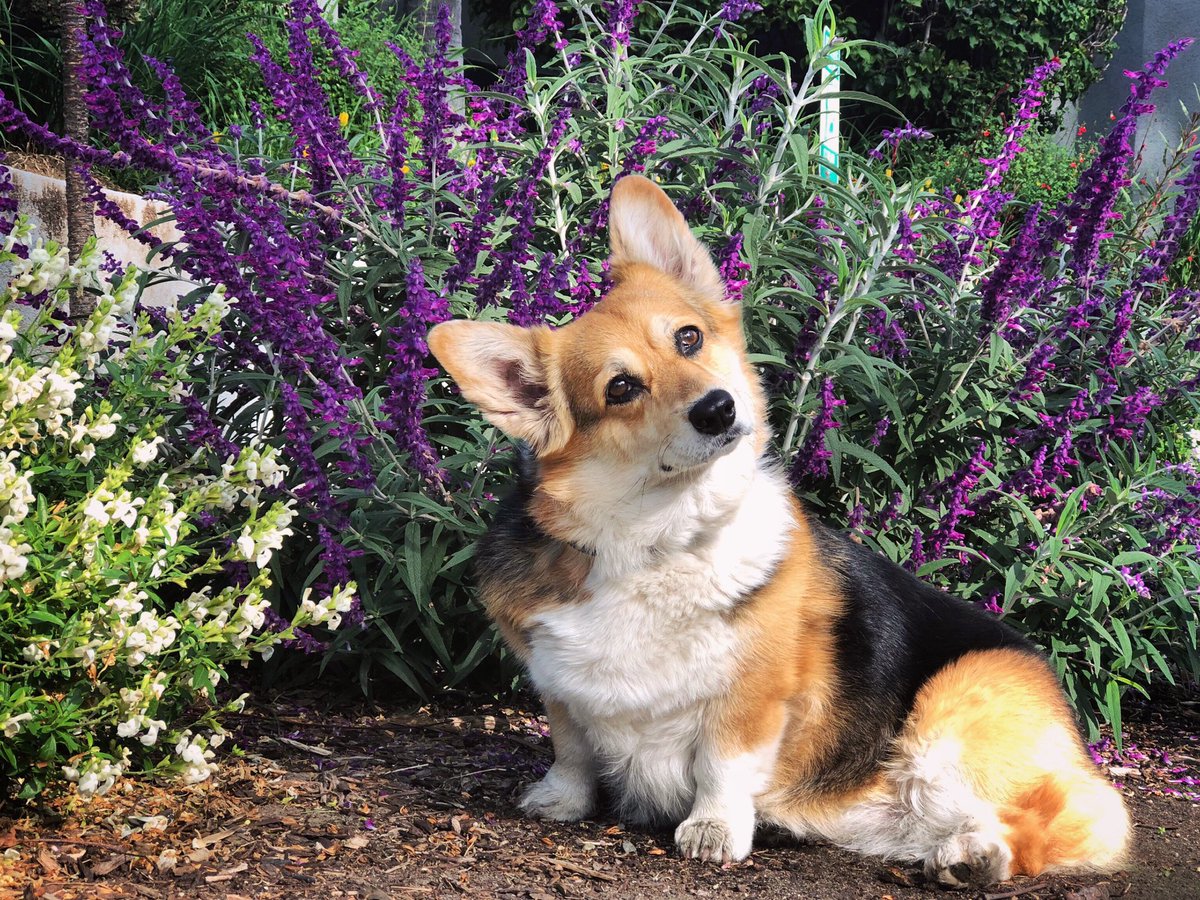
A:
330, 797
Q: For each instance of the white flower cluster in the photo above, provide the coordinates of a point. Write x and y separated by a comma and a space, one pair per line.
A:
214, 308
130, 625
197, 756
261, 538
328, 611
97, 775
105, 507
16, 492
120, 523
43, 269
13, 559
243, 479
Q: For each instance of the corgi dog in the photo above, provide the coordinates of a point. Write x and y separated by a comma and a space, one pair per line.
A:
709, 651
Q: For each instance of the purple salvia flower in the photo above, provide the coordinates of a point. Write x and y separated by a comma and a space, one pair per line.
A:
1135, 581
619, 22
733, 269
812, 459
955, 494
733, 10
408, 374
881, 430
1090, 208
1010, 281
894, 137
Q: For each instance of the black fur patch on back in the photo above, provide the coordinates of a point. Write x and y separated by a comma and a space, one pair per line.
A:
896, 632
503, 553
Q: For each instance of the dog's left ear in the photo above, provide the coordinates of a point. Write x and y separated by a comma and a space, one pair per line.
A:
645, 227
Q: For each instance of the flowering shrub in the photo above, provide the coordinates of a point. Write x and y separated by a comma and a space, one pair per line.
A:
1044, 172
115, 634
993, 406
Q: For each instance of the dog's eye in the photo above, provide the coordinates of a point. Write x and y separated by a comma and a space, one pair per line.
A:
622, 389
688, 339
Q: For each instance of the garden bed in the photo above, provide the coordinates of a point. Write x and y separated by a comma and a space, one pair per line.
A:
330, 797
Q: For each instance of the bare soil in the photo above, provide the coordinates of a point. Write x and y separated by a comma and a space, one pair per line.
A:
331, 797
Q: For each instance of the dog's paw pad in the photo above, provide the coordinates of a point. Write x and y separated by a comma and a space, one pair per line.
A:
709, 840
974, 858
557, 799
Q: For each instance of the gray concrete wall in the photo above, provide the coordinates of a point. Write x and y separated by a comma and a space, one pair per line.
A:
43, 199
1149, 26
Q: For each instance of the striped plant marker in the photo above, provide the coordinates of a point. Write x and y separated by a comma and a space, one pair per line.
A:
831, 113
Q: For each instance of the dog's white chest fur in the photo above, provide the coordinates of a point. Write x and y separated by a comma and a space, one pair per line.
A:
637, 662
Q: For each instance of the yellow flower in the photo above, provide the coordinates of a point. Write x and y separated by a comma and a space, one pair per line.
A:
928, 183
217, 135
343, 119
471, 163
887, 172
958, 198
603, 167
404, 170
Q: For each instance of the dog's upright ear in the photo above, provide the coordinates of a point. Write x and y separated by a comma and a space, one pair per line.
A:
506, 371
645, 227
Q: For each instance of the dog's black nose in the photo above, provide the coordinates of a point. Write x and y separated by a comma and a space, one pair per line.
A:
713, 413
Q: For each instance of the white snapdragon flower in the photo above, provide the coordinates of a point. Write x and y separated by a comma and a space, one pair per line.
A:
251, 614
10, 322
145, 452
153, 727
12, 725
195, 753
150, 636
16, 492
214, 308
329, 611
104, 507
13, 561
128, 602
96, 776
260, 539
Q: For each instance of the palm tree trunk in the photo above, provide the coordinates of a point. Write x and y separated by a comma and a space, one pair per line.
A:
80, 214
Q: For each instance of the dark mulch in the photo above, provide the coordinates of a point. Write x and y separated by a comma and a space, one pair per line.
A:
329, 797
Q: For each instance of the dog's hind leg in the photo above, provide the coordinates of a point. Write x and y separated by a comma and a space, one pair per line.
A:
990, 774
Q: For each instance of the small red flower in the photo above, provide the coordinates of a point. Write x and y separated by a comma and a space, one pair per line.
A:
986, 133
1082, 131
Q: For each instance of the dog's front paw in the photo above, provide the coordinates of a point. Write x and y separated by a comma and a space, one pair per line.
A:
973, 858
559, 798
712, 840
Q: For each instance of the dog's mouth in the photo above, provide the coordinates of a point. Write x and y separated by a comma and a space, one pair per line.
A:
702, 453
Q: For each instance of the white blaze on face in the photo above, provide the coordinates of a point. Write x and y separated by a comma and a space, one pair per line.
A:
685, 447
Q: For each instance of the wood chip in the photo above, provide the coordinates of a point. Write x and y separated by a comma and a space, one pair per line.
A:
47, 861
580, 870
226, 875
106, 866
894, 875
210, 840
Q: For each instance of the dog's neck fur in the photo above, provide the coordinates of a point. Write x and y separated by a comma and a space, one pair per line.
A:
628, 523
